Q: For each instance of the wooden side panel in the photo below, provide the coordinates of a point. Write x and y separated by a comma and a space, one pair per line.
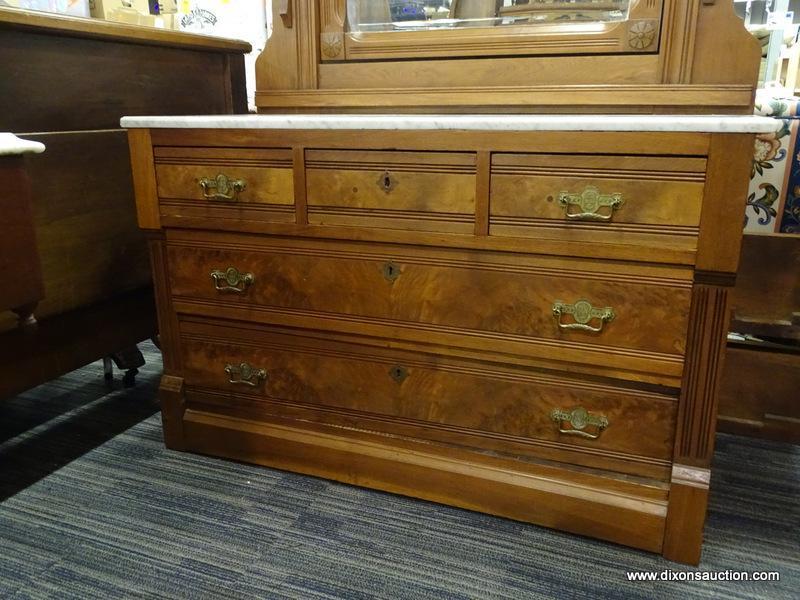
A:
167, 319
730, 58
19, 256
85, 217
128, 75
236, 84
767, 286
759, 394
729, 164
143, 174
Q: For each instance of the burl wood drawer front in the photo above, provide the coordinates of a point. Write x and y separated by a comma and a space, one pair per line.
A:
225, 183
634, 194
419, 395
593, 312
422, 191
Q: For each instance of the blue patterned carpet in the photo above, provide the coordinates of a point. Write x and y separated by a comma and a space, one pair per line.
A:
93, 506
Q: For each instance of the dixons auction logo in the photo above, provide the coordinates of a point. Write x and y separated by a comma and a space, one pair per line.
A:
198, 18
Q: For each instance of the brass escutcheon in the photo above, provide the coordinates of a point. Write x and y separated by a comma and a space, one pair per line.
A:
222, 188
386, 182
231, 280
245, 374
398, 373
583, 313
590, 202
579, 419
391, 272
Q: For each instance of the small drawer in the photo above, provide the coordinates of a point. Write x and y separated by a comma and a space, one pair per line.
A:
422, 191
633, 194
587, 312
225, 183
431, 397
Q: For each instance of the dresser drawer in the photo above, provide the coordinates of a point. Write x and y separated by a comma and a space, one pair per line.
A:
634, 194
420, 395
494, 302
423, 191
225, 183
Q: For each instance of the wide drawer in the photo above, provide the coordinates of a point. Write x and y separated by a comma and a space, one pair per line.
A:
225, 183
422, 191
624, 194
523, 412
599, 313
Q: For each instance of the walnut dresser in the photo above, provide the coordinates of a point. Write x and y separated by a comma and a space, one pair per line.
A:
523, 315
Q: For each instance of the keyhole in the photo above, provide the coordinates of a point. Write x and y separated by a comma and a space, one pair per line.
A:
391, 271
386, 182
398, 373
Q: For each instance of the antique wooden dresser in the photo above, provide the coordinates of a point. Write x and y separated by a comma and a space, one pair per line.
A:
520, 314
66, 81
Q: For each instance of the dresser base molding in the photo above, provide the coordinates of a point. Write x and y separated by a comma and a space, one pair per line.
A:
606, 508
688, 499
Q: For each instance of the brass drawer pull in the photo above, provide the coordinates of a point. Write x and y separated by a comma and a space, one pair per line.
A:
386, 182
245, 374
231, 280
579, 419
583, 313
222, 188
590, 202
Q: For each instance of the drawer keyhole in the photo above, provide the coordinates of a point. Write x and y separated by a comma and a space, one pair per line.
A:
391, 272
386, 182
398, 373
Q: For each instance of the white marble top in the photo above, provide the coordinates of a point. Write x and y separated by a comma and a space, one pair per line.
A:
11, 144
677, 123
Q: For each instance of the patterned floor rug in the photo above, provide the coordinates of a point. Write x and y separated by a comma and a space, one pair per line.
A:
93, 506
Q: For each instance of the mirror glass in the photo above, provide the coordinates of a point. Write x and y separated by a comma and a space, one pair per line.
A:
416, 15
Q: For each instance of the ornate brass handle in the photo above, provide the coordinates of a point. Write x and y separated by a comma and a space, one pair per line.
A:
579, 419
386, 182
590, 202
231, 280
222, 188
245, 374
583, 313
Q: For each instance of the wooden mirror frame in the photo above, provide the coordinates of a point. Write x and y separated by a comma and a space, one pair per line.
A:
639, 34
704, 61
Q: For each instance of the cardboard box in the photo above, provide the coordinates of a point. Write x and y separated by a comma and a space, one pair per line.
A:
103, 9
74, 8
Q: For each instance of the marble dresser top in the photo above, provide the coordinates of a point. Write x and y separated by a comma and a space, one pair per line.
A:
11, 144
476, 122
